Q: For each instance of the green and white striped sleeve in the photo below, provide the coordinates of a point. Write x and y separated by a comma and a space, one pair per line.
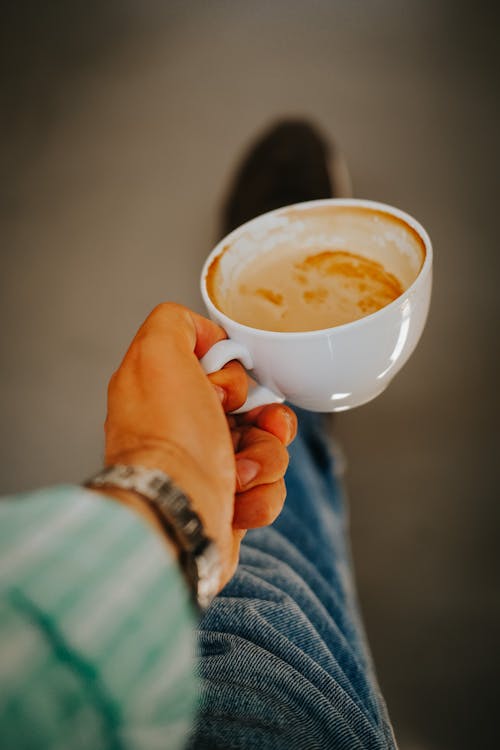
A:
96, 628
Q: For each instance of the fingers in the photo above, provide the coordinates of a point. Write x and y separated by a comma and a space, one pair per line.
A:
231, 384
261, 463
208, 333
259, 506
188, 331
277, 419
261, 459
178, 324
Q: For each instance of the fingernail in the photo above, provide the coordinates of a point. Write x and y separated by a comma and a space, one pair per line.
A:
246, 470
221, 393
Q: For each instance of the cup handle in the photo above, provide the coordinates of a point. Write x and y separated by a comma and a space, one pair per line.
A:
223, 352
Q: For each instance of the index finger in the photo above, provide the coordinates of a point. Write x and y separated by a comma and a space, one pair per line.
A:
208, 333
183, 326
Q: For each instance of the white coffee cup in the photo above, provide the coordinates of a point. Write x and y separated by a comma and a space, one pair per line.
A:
336, 368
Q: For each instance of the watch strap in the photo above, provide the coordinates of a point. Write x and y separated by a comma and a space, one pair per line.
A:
198, 554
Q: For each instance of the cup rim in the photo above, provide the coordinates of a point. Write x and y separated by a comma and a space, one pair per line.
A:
356, 202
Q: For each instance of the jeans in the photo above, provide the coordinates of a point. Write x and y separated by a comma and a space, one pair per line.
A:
282, 654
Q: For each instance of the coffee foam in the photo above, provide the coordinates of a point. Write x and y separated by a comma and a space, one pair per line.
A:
315, 267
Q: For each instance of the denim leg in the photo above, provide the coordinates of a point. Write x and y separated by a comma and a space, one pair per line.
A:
283, 658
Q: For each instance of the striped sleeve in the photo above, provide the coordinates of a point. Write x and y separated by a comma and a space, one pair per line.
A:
96, 628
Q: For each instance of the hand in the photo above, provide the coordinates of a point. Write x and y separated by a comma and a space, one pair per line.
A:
164, 412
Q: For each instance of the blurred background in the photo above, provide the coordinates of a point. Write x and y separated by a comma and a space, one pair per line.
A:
122, 122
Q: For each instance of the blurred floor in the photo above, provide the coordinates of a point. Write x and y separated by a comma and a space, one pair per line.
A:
121, 124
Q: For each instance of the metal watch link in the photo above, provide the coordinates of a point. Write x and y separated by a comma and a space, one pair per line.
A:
198, 555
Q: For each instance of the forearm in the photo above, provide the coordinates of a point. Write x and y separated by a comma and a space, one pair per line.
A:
93, 593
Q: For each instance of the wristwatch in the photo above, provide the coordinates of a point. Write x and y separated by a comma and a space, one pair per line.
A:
198, 554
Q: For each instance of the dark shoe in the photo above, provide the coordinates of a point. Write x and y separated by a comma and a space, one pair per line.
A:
290, 163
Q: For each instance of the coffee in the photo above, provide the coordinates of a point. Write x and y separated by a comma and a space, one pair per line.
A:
341, 268
299, 292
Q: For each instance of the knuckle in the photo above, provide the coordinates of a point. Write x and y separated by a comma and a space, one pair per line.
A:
282, 457
163, 311
267, 513
136, 357
271, 454
156, 314
273, 507
114, 383
282, 491
167, 307
268, 516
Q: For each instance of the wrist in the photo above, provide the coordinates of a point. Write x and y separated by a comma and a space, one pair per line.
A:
183, 470
198, 555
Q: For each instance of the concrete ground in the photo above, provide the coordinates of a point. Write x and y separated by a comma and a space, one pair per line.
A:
121, 124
